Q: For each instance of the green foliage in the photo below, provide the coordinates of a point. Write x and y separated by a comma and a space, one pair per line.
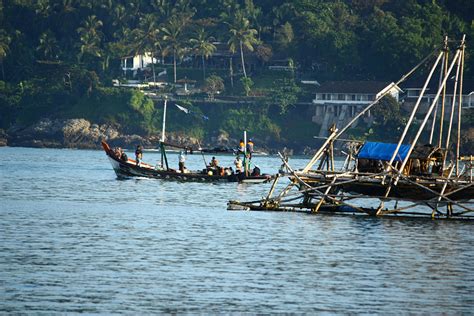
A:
388, 119
56, 57
237, 120
247, 83
214, 84
285, 94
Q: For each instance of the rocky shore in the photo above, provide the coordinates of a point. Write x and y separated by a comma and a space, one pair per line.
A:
82, 134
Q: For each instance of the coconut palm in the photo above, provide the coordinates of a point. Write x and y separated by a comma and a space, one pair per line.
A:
90, 36
202, 45
147, 38
241, 35
4, 48
173, 37
48, 45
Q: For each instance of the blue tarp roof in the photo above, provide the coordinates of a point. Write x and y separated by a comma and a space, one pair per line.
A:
382, 151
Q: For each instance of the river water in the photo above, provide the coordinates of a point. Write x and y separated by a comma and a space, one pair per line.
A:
73, 238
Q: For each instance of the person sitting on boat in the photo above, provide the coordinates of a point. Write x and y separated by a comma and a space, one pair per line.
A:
250, 148
214, 163
256, 171
182, 159
238, 164
138, 154
123, 156
117, 152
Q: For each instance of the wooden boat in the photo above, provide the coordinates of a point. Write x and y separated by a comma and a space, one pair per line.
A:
129, 168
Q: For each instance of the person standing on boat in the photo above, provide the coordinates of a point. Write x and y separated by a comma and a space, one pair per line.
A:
138, 154
238, 164
241, 146
250, 148
182, 159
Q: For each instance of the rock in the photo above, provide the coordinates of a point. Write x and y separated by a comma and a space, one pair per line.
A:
71, 133
3, 138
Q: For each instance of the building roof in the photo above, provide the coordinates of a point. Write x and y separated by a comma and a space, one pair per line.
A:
417, 84
372, 87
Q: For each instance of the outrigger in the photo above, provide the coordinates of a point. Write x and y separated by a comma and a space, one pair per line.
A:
412, 179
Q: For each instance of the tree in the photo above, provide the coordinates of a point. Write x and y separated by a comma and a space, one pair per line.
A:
241, 35
202, 45
388, 118
48, 45
4, 48
264, 53
285, 93
247, 83
90, 37
284, 36
173, 36
214, 84
147, 38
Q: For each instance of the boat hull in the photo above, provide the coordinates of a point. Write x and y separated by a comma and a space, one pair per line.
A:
423, 190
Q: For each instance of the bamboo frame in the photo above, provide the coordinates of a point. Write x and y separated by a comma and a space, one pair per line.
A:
318, 189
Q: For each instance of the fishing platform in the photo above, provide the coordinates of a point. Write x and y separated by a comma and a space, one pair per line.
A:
424, 177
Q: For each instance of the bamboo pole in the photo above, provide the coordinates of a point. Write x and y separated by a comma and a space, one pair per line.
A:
413, 112
435, 113
458, 145
420, 130
453, 107
443, 99
318, 154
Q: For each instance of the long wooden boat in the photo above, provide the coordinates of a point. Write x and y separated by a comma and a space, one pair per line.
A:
129, 168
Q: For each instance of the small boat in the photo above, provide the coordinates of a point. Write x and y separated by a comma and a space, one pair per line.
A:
129, 168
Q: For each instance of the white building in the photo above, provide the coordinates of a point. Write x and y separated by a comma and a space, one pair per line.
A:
413, 89
339, 101
134, 63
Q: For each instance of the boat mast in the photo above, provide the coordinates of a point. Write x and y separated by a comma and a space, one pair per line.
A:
164, 122
245, 154
164, 160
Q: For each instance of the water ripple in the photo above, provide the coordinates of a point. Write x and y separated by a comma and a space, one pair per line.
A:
73, 239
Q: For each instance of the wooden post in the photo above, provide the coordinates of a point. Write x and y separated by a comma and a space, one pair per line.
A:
430, 110
443, 99
458, 145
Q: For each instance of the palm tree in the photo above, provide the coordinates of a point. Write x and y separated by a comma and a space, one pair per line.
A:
241, 35
146, 38
48, 45
90, 37
4, 48
173, 36
202, 45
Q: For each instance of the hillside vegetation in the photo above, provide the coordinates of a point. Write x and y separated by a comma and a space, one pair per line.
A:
58, 58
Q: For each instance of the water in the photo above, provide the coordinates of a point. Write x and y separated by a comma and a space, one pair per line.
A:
75, 239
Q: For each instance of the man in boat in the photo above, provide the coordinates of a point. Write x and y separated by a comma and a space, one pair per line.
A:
214, 163
256, 171
138, 154
182, 159
238, 164
250, 148
241, 146
214, 166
